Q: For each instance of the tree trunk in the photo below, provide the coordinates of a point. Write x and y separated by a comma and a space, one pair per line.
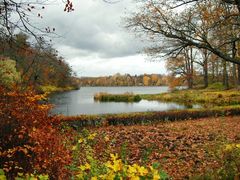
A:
213, 71
234, 51
237, 49
189, 81
238, 72
205, 68
225, 75
189, 67
234, 71
205, 73
217, 70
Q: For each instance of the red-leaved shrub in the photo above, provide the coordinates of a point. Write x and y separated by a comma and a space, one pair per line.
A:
30, 141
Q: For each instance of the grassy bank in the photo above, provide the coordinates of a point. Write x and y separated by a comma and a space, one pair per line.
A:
52, 89
206, 97
126, 97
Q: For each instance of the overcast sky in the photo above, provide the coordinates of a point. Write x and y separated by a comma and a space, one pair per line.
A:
94, 41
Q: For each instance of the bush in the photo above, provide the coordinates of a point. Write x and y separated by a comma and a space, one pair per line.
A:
126, 97
147, 117
30, 140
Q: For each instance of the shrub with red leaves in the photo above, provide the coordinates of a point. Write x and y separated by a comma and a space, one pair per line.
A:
30, 141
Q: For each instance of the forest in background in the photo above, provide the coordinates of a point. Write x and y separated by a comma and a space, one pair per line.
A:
125, 80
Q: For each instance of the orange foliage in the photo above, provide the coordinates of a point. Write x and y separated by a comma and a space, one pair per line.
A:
29, 138
184, 149
173, 82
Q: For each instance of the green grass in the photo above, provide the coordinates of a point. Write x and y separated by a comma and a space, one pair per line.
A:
51, 89
216, 86
207, 97
126, 97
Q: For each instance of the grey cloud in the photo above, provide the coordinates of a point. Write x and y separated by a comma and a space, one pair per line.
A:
94, 27
94, 41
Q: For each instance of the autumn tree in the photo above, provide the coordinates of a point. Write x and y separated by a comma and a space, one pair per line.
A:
146, 80
182, 66
178, 3
9, 76
173, 25
37, 65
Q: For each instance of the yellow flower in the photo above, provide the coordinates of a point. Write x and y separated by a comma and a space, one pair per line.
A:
156, 176
135, 178
114, 157
117, 163
74, 148
142, 171
80, 176
88, 166
104, 176
155, 173
229, 147
108, 176
132, 171
117, 166
92, 136
238, 146
94, 178
85, 167
80, 140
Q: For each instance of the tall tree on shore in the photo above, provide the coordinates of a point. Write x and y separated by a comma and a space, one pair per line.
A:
178, 28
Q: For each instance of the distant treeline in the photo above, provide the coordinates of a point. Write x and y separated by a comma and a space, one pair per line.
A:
125, 80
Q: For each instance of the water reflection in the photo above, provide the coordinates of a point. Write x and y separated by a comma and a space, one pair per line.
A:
82, 102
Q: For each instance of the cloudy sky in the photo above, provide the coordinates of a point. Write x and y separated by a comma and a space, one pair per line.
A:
94, 41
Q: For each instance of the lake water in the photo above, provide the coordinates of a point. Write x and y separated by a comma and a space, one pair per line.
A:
81, 101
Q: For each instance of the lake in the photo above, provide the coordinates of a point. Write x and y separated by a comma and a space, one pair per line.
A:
81, 101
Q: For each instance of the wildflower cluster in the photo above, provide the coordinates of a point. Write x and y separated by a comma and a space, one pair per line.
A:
230, 156
116, 169
84, 140
231, 147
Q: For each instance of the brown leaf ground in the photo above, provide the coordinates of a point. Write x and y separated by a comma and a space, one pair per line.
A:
184, 149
